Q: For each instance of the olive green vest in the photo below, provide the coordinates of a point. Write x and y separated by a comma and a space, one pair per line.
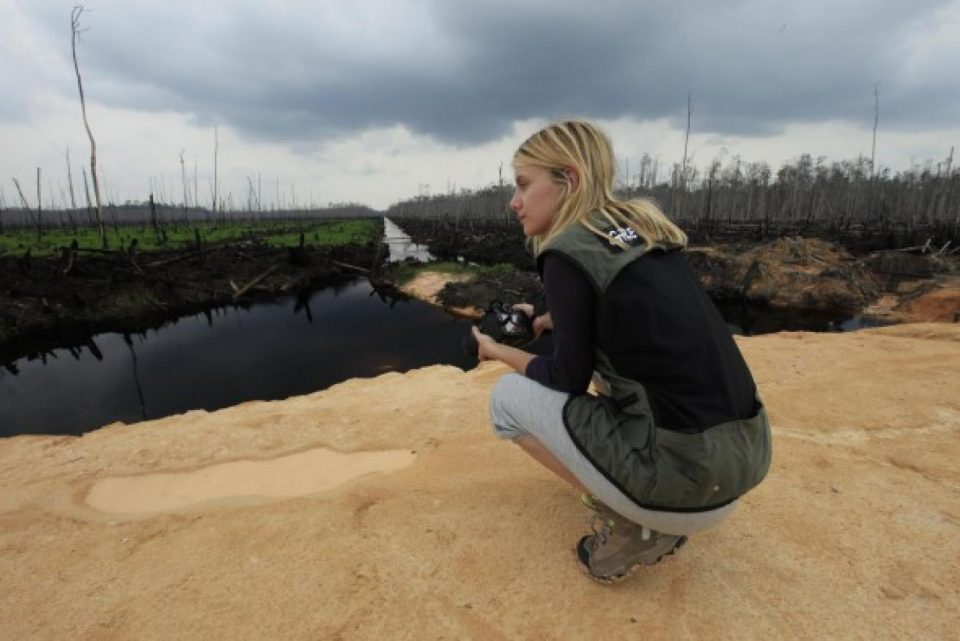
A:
658, 468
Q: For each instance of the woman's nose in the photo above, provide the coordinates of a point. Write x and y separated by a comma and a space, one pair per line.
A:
515, 202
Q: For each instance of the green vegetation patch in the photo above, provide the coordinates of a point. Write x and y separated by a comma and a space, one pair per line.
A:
341, 232
278, 233
404, 273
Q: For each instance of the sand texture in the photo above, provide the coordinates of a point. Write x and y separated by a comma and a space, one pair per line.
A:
854, 535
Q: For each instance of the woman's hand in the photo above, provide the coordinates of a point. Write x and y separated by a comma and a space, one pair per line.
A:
540, 323
485, 345
489, 349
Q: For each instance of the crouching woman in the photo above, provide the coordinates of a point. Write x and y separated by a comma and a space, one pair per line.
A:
676, 433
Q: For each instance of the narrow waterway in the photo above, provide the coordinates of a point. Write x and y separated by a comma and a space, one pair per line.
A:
228, 356
401, 246
295, 345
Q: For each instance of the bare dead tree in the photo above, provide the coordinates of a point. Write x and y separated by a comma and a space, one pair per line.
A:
210, 189
195, 185
86, 191
39, 208
75, 32
251, 194
23, 199
876, 121
686, 138
216, 152
945, 198
183, 180
162, 189
154, 219
73, 198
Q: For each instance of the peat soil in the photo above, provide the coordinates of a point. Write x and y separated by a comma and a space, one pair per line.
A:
61, 302
476, 239
789, 275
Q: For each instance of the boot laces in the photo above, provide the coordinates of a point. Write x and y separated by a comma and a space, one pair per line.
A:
600, 524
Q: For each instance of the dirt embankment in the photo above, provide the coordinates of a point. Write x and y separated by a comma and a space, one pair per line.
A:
61, 302
46, 303
854, 534
795, 275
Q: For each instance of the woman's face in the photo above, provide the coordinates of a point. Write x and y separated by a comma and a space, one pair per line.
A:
536, 199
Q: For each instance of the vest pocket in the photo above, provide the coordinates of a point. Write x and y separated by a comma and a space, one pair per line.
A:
679, 479
619, 445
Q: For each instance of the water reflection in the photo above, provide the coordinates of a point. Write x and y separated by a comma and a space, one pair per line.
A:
136, 376
228, 355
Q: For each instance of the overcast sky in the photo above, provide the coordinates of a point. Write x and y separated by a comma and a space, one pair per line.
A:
376, 101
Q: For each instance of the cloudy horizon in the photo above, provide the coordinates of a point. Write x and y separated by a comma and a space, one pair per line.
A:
376, 101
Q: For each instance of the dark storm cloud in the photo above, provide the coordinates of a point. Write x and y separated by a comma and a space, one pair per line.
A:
463, 72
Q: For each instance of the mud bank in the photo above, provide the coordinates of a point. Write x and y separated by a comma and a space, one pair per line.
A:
855, 532
800, 276
50, 302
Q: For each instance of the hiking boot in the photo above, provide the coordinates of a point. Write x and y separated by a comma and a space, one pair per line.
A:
620, 546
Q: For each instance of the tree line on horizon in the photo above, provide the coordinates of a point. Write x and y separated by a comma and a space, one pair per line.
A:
806, 190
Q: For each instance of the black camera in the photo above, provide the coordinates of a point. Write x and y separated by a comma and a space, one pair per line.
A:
503, 324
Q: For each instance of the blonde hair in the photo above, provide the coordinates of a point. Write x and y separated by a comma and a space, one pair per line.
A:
580, 145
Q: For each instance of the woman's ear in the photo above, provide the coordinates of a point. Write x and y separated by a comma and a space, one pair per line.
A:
573, 177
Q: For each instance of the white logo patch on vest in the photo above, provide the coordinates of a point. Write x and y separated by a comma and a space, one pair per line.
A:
625, 235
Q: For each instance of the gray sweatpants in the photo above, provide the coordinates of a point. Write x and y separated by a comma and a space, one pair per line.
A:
520, 406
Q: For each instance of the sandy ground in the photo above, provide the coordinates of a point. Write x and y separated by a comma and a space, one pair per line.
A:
855, 533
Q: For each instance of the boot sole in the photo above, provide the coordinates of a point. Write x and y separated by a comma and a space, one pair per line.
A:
620, 578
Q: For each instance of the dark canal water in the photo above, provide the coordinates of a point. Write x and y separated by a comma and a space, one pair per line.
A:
268, 351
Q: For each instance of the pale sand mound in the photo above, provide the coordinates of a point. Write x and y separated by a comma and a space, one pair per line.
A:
855, 534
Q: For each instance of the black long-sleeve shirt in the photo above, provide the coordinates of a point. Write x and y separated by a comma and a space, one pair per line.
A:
572, 303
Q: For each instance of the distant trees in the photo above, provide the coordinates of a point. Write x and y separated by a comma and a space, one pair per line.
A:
803, 193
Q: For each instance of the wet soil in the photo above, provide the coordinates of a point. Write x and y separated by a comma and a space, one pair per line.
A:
508, 287
788, 275
502, 240
47, 303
